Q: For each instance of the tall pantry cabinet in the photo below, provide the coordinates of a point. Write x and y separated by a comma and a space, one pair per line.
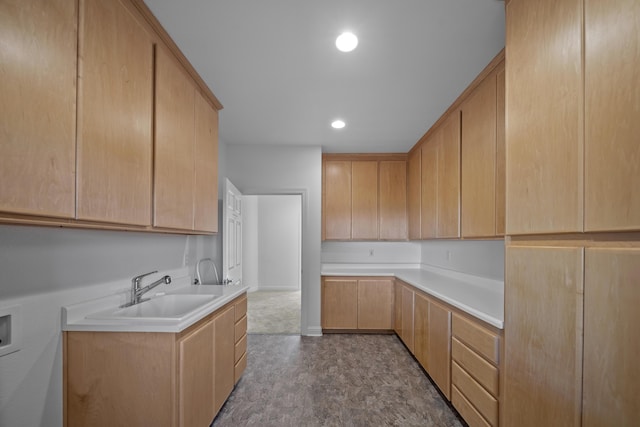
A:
573, 167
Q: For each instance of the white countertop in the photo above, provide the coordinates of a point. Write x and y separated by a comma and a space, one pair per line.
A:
74, 317
478, 296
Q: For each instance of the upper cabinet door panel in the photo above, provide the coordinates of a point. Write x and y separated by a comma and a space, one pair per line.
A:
174, 147
115, 115
38, 108
393, 200
429, 186
612, 109
500, 155
414, 190
206, 178
479, 161
544, 123
364, 198
337, 201
449, 178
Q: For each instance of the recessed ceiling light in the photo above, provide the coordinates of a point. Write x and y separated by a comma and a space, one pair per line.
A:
338, 124
346, 42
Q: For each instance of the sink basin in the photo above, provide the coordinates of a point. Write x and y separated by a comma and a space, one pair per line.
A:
164, 307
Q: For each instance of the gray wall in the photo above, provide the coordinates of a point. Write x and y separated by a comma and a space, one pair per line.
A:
288, 170
43, 269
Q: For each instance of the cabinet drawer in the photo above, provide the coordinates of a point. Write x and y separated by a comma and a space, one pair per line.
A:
241, 308
481, 370
484, 403
241, 348
466, 409
478, 338
239, 368
241, 328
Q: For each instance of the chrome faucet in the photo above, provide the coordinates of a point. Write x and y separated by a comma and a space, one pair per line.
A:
137, 291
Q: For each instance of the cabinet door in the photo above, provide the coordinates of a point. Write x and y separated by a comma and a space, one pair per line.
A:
393, 200
429, 199
449, 178
611, 344
224, 356
375, 304
337, 200
195, 377
544, 123
397, 309
500, 152
38, 108
421, 329
115, 115
364, 196
414, 193
479, 161
206, 169
543, 336
407, 317
174, 147
339, 304
440, 347
612, 108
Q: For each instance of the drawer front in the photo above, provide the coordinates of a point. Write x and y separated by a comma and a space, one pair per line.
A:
483, 372
241, 328
478, 338
241, 348
466, 409
483, 402
241, 308
240, 367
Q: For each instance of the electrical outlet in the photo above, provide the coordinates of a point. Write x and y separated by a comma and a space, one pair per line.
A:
449, 256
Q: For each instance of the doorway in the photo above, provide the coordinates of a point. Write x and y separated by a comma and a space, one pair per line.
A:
272, 262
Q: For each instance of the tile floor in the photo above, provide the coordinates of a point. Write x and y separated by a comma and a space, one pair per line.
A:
333, 380
273, 312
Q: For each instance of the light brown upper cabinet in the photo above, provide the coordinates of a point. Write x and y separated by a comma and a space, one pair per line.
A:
364, 197
545, 138
206, 166
414, 192
336, 190
479, 117
393, 199
186, 151
612, 109
364, 200
174, 148
38, 108
500, 151
440, 181
115, 119
429, 187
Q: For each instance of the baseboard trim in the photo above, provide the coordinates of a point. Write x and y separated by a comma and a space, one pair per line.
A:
313, 331
276, 288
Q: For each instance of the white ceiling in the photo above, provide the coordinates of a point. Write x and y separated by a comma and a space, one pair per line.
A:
274, 66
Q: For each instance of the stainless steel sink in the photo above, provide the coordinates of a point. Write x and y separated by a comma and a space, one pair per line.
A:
164, 307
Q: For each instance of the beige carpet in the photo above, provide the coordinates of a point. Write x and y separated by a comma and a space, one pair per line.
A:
273, 312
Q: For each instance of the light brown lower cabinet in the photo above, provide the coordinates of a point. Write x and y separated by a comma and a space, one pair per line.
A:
151, 378
475, 354
357, 303
240, 338
461, 355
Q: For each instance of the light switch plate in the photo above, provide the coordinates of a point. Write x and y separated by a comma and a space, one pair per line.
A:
10, 329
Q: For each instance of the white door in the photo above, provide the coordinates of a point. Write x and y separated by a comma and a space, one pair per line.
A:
232, 235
